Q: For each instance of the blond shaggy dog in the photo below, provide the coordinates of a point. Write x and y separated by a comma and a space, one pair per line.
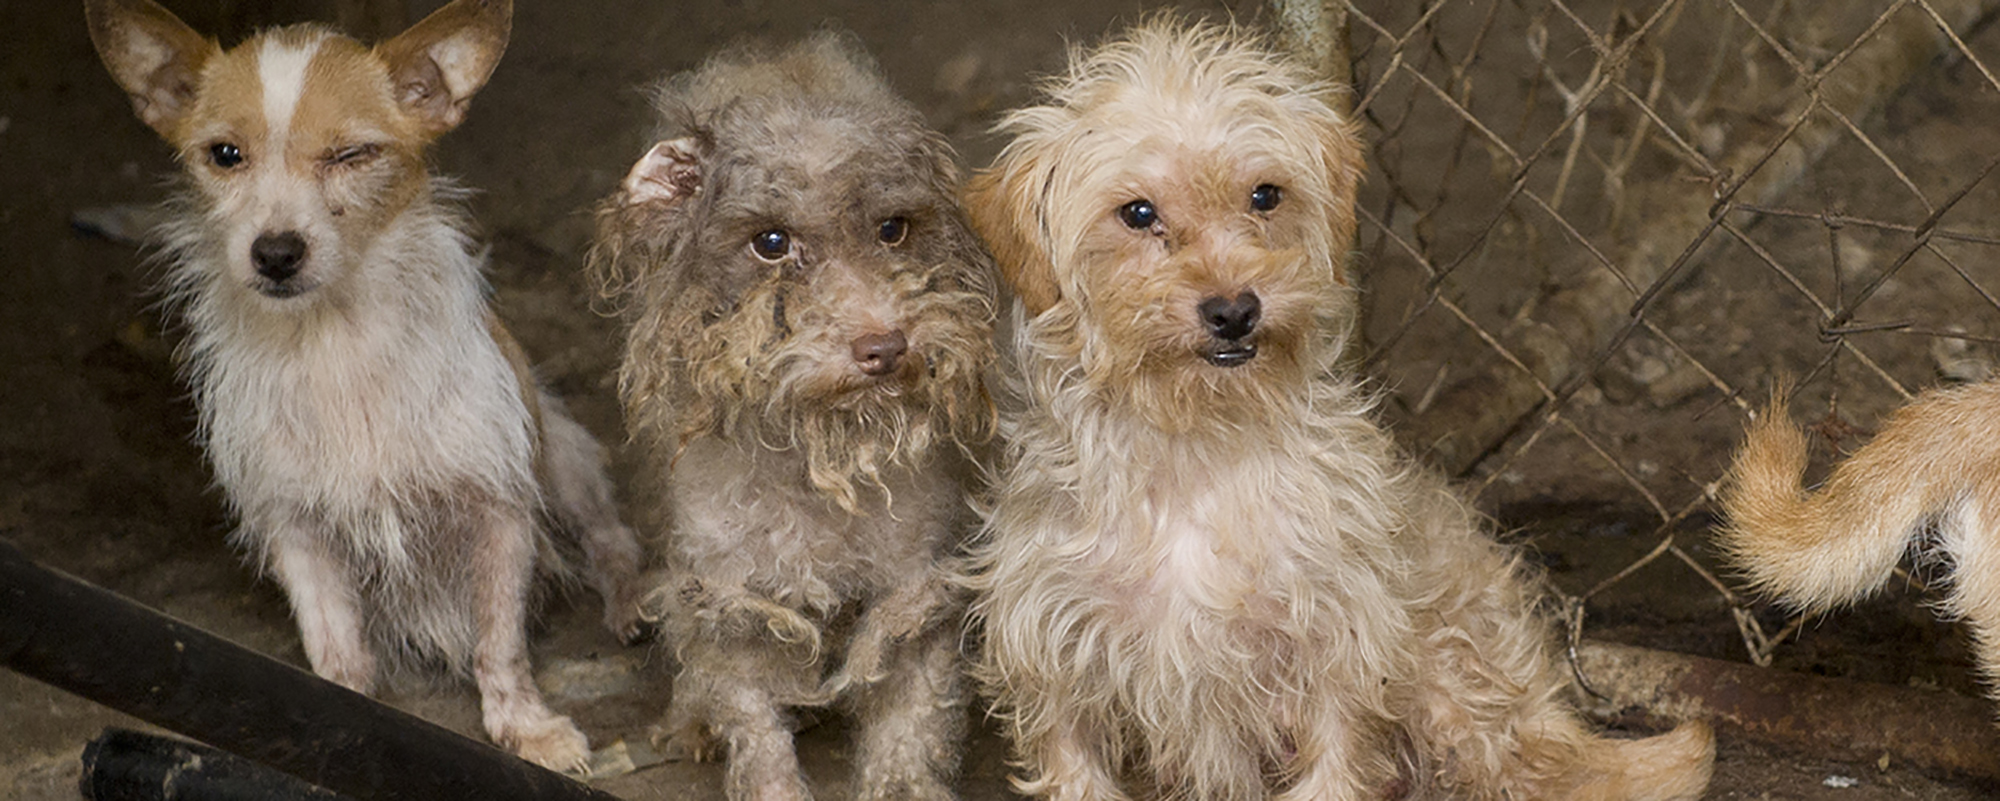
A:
810, 319
1208, 574
1936, 464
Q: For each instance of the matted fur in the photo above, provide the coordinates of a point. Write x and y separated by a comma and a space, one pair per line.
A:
375, 428
1209, 582
816, 511
1934, 467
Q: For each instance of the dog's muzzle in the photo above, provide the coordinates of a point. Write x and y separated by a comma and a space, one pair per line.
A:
1231, 322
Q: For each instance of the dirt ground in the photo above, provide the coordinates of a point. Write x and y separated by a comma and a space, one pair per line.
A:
98, 476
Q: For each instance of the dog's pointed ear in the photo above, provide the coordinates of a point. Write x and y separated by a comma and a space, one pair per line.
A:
441, 62
1005, 205
154, 57
669, 173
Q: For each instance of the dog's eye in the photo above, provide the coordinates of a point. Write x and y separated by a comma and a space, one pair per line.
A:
352, 156
1266, 197
1138, 215
893, 230
771, 245
224, 155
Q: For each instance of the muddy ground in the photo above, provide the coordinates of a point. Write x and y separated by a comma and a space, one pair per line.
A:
98, 476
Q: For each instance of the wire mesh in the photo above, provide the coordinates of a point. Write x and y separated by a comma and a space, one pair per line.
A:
1597, 230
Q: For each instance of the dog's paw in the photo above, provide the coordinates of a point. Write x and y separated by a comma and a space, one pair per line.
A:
553, 742
628, 623
687, 743
784, 623
864, 666
920, 785
777, 787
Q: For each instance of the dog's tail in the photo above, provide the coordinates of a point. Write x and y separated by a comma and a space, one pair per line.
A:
1934, 460
1669, 767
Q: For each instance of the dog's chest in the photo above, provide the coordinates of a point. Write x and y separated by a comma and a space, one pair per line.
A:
750, 519
347, 419
1213, 548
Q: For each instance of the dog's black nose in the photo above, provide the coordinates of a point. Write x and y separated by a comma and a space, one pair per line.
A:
278, 256
878, 354
1231, 319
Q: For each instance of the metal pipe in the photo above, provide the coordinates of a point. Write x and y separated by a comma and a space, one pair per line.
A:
114, 651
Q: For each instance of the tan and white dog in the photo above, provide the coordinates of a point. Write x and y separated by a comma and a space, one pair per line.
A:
1208, 574
374, 426
1934, 467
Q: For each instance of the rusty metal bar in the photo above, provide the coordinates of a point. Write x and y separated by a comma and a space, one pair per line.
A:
109, 649
1832, 718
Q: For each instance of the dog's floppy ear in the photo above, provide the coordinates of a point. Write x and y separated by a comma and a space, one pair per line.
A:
154, 57
1341, 153
440, 63
669, 173
1005, 204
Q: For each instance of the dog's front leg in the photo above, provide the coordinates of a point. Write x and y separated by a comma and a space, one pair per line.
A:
515, 715
1063, 763
1328, 763
899, 616
729, 686
326, 603
912, 722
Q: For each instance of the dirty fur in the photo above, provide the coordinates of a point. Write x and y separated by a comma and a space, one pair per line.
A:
392, 461
814, 509
1208, 574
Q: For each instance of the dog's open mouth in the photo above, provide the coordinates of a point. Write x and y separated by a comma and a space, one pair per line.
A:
1233, 353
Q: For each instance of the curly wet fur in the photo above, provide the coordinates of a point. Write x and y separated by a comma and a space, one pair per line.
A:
374, 427
1210, 582
815, 509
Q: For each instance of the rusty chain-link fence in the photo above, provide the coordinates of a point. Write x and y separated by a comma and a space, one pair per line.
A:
1596, 230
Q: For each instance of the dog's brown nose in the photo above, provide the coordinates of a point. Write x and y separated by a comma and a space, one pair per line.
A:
278, 256
878, 354
1231, 319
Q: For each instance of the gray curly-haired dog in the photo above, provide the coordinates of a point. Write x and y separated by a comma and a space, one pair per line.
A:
809, 320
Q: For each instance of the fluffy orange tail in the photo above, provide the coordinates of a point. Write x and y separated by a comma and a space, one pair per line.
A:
1816, 550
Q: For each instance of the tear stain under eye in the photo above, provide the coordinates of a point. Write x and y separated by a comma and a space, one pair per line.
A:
784, 331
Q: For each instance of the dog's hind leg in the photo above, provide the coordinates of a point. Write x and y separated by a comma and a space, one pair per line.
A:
912, 722
1489, 708
326, 603
1970, 533
515, 715
579, 496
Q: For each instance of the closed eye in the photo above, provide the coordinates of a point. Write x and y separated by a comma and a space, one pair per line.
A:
352, 156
